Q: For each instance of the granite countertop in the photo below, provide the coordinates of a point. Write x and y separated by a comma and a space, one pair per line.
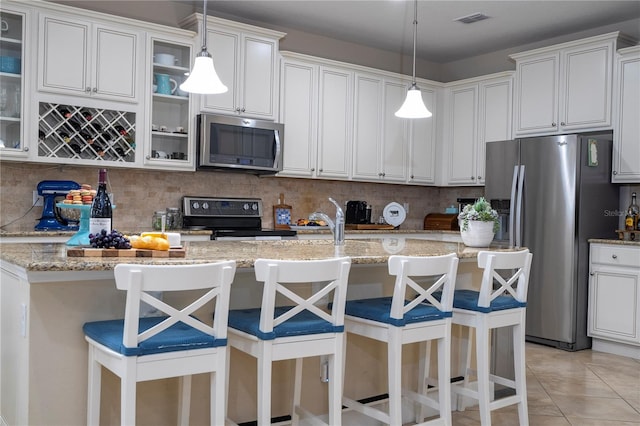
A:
43, 257
616, 242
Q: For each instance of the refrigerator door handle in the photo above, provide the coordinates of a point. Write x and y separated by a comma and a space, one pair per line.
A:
512, 206
519, 207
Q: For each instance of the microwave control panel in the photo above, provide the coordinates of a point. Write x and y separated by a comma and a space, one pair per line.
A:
222, 207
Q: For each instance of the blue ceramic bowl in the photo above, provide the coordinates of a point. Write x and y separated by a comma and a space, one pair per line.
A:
10, 64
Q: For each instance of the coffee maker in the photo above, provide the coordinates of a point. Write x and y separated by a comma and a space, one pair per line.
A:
53, 218
357, 212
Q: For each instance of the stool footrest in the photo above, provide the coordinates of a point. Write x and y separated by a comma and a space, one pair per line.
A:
505, 402
421, 399
309, 417
366, 410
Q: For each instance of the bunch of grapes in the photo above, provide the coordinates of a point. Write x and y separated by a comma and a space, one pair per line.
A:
109, 240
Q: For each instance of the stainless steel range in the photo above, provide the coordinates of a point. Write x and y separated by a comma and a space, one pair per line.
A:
229, 218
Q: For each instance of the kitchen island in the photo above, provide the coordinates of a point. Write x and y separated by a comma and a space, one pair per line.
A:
45, 297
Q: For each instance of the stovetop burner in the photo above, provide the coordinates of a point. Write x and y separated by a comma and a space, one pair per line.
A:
228, 217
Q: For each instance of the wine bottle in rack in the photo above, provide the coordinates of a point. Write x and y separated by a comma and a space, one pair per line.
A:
64, 112
86, 114
121, 130
87, 137
101, 216
64, 136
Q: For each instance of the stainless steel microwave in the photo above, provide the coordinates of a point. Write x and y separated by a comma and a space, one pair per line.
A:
239, 144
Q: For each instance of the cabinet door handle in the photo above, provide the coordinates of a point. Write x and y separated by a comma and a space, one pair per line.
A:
88, 89
95, 90
238, 109
26, 148
615, 173
473, 178
614, 256
313, 169
243, 110
479, 177
591, 273
563, 123
554, 124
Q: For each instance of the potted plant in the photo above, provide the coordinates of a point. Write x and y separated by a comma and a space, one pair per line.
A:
478, 223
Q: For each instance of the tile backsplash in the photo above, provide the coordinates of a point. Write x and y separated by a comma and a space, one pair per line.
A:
138, 193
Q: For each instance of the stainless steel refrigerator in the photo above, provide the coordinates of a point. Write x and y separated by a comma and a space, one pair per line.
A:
553, 194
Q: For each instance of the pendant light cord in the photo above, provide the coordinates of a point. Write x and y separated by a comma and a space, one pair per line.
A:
415, 36
204, 28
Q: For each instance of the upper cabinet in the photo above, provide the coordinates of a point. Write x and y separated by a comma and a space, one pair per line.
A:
246, 60
16, 28
477, 111
566, 87
316, 107
83, 58
626, 134
170, 122
422, 143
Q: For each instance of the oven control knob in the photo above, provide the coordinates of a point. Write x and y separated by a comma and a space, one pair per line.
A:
195, 205
205, 206
245, 206
254, 206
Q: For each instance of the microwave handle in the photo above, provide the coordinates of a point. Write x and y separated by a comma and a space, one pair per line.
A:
276, 164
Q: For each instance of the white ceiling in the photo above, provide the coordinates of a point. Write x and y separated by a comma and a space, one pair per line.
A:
387, 24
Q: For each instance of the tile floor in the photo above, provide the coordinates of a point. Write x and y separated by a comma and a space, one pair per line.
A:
584, 388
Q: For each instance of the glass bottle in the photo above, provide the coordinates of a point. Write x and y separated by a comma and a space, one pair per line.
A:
101, 213
633, 212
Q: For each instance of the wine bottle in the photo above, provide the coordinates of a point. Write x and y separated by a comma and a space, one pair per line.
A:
631, 220
121, 130
101, 214
87, 137
86, 114
64, 136
65, 113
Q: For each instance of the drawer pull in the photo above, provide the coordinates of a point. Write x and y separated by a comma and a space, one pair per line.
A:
614, 256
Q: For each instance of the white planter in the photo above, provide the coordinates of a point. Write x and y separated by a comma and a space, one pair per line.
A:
478, 234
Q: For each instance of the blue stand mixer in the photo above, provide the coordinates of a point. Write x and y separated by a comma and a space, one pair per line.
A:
52, 218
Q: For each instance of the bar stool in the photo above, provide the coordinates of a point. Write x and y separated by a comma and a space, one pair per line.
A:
489, 309
176, 345
400, 320
302, 330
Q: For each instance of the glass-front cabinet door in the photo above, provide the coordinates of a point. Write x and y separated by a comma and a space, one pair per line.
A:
171, 123
12, 83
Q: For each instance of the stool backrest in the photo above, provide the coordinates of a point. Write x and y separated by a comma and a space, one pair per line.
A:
143, 282
509, 270
332, 274
442, 271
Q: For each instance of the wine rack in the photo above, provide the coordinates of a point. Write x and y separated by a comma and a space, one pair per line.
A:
77, 132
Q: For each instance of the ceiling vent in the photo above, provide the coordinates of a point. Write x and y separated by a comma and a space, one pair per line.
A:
470, 19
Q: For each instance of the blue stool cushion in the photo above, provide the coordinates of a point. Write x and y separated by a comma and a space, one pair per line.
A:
468, 299
178, 337
379, 309
305, 322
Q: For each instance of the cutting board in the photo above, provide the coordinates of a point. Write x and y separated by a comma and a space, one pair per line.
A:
369, 226
281, 214
95, 252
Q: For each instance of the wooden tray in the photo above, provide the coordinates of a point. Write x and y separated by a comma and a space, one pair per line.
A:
94, 252
363, 226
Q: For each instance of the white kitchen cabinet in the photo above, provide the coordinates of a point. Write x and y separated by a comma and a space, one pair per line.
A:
170, 123
380, 146
565, 87
422, 143
626, 127
246, 60
86, 58
367, 119
477, 111
14, 85
316, 109
614, 294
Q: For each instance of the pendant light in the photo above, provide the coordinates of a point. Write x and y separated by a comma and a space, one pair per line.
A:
413, 106
203, 78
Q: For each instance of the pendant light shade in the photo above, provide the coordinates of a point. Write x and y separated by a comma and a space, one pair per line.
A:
203, 77
413, 106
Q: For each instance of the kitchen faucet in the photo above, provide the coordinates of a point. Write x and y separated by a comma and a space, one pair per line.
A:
337, 227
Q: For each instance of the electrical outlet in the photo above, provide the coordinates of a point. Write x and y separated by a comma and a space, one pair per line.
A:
37, 199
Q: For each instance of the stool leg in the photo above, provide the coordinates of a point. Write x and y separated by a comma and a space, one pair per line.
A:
184, 404
128, 393
297, 391
465, 350
444, 378
482, 359
264, 384
218, 379
394, 351
336, 369
520, 368
424, 359
95, 379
